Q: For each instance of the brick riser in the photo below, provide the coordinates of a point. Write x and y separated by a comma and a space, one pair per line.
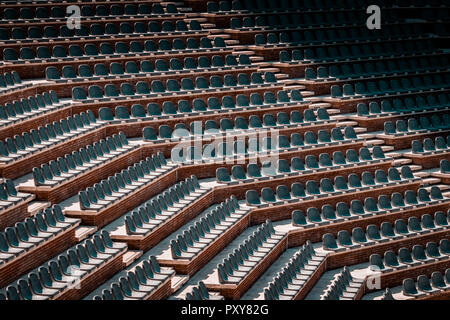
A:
162, 292
26, 262
18, 93
442, 295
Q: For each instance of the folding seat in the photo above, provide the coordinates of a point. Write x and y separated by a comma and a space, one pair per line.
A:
105, 114
230, 81
18, 34
122, 113
314, 216
345, 240
172, 85
269, 120
121, 47
212, 6
216, 82
219, 42
106, 48
52, 73
149, 134
440, 143
329, 243
169, 108
59, 51
252, 198
268, 195
149, 46
410, 289
161, 65
176, 64
444, 166
326, 185
241, 101
336, 91
168, 26
95, 91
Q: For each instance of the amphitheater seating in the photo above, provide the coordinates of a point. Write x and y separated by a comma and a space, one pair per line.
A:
295, 274
61, 274
426, 285
229, 82
105, 51
9, 195
313, 189
235, 268
169, 109
414, 126
100, 10
32, 233
79, 162
28, 108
